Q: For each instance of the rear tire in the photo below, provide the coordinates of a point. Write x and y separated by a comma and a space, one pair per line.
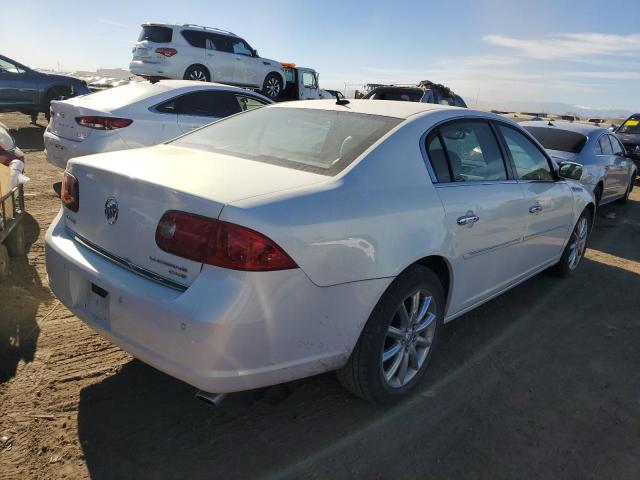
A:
576, 247
623, 200
272, 87
392, 340
198, 73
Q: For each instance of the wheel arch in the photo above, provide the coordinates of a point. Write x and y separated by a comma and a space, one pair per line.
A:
50, 89
441, 267
279, 74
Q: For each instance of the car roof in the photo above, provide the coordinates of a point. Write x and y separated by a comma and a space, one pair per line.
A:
388, 108
583, 128
190, 26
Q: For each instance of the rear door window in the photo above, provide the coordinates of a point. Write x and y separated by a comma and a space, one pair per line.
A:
195, 38
222, 43
216, 104
156, 34
471, 150
605, 145
616, 146
529, 161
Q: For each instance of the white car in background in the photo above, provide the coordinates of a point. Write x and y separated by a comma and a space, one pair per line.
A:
193, 52
138, 115
311, 236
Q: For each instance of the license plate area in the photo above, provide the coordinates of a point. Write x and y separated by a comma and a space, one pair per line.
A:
90, 299
98, 303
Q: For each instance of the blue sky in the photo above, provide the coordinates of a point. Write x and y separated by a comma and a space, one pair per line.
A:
580, 52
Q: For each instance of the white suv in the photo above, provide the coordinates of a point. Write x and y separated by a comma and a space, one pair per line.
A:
193, 52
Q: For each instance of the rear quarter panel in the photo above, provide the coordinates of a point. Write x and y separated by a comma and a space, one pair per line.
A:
370, 222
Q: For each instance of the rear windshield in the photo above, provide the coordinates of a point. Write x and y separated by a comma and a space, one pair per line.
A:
118, 97
631, 126
402, 95
318, 141
561, 140
156, 34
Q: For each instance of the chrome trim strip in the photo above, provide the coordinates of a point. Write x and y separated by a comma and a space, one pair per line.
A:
537, 234
470, 183
132, 267
475, 253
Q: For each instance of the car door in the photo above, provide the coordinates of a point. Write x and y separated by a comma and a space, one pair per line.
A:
483, 206
220, 58
18, 86
623, 168
606, 158
549, 208
196, 109
308, 86
248, 69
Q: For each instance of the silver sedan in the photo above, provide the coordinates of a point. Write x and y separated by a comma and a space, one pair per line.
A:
606, 169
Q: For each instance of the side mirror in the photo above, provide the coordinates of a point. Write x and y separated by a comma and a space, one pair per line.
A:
570, 170
254, 52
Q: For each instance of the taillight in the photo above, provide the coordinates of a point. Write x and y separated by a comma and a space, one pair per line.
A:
70, 193
219, 243
167, 52
103, 123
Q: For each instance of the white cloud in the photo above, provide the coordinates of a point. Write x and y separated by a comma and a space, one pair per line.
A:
113, 23
569, 45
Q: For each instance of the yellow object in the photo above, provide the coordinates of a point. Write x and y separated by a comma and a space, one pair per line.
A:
631, 123
5, 187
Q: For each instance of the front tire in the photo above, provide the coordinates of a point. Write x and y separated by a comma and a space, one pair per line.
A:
399, 339
198, 73
576, 247
272, 87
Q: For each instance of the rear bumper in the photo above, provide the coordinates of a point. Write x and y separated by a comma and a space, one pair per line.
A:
59, 151
151, 69
229, 331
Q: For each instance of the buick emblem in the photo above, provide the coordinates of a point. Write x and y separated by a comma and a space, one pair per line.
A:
111, 210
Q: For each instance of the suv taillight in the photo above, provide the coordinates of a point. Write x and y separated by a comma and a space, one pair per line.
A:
70, 192
219, 243
103, 123
167, 52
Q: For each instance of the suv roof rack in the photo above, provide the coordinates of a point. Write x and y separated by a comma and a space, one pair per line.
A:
208, 28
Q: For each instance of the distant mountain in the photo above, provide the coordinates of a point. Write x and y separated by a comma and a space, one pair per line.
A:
555, 107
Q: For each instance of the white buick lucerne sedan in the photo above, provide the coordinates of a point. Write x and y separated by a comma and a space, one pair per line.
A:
311, 236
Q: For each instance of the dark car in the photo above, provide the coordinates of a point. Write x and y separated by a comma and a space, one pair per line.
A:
425, 91
30, 92
629, 135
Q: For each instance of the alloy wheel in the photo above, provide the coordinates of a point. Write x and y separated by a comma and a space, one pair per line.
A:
198, 75
579, 243
408, 338
273, 87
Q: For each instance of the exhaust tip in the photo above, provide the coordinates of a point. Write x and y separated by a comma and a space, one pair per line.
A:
214, 399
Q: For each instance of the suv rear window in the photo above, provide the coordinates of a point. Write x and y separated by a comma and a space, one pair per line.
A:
156, 34
318, 141
561, 140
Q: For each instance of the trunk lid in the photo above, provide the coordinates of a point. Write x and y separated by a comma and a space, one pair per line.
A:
147, 182
63, 120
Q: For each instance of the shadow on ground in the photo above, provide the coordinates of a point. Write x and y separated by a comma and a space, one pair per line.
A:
534, 384
20, 296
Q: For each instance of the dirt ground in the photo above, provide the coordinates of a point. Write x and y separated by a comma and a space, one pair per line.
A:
543, 382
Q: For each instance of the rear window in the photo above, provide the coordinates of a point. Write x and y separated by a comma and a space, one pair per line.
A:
556, 139
156, 34
113, 98
401, 95
318, 141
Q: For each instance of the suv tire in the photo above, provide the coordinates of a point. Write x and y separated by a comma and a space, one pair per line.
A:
197, 72
272, 87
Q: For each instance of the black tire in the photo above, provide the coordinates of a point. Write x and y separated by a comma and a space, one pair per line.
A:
4, 262
272, 86
15, 242
623, 200
597, 194
197, 72
363, 375
566, 266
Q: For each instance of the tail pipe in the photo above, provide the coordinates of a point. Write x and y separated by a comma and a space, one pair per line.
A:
211, 398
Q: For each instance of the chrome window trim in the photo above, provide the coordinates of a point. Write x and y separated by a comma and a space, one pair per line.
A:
132, 267
475, 182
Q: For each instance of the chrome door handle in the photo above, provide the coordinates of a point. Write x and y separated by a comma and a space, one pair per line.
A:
537, 208
469, 219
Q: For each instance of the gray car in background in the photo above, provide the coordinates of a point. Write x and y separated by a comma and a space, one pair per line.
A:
606, 169
25, 90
